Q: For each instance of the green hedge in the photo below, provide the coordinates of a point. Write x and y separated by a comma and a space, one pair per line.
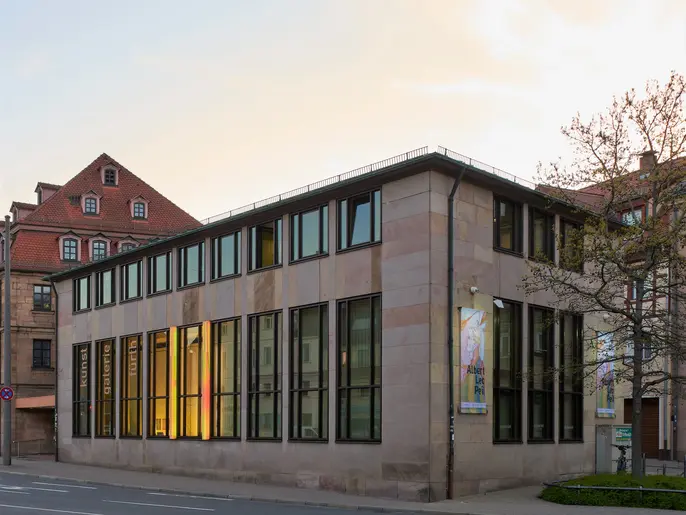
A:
664, 501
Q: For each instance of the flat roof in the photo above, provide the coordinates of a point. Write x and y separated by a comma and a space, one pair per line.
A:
442, 159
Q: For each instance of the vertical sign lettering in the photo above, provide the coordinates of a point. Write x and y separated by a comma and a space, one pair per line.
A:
472, 361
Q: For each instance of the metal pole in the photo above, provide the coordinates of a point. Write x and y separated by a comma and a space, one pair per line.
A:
7, 355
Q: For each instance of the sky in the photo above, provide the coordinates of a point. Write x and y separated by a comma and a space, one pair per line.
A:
229, 102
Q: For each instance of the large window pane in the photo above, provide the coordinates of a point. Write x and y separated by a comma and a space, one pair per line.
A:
189, 381
192, 264
309, 235
264, 381
105, 389
507, 384
359, 374
541, 235
226, 379
226, 256
82, 293
309, 373
359, 220
507, 220
104, 288
265, 245
571, 378
158, 384
131, 386
541, 369
81, 391
42, 298
131, 281
159, 273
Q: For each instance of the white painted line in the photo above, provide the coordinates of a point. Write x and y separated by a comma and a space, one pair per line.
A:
68, 512
209, 498
11, 491
46, 489
160, 505
64, 486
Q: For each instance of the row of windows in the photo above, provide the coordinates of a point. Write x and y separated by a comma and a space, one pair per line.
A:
359, 224
509, 379
180, 410
508, 230
70, 248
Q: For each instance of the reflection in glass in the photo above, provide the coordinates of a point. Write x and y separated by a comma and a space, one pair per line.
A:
189, 381
359, 220
192, 264
264, 382
265, 245
226, 379
105, 389
131, 386
158, 384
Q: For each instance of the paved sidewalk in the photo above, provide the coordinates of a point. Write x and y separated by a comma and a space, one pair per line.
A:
520, 501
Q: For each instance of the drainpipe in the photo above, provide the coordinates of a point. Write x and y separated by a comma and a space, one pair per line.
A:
451, 357
57, 318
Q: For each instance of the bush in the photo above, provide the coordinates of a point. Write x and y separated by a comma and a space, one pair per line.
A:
587, 497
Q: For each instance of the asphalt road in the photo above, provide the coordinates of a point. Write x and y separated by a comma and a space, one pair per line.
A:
29, 495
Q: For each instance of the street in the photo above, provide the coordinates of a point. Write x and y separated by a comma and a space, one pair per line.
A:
23, 495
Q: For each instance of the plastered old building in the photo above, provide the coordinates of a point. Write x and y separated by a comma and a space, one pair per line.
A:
305, 341
104, 210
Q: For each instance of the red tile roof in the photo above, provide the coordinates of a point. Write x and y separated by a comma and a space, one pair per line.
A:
48, 186
23, 205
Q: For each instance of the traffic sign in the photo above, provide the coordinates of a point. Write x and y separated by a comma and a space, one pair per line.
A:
6, 393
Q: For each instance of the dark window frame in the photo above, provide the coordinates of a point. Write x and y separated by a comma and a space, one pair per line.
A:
126, 399
137, 207
152, 273
344, 231
374, 390
77, 400
296, 233
70, 246
99, 287
124, 293
295, 380
182, 255
548, 235
76, 294
102, 245
517, 226
255, 255
152, 383
217, 271
40, 346
88, 203
516, 377
110, 177
100, 400
215, 374
577, 391
41, 292
254, 376
181, 395
127, 246
548, 380
564, 222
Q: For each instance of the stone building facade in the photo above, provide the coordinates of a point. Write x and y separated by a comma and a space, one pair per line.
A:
374, 259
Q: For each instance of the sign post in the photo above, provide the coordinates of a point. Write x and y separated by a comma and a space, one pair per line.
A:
7, 357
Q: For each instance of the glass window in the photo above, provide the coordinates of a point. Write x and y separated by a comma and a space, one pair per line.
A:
310, 233
541, 236
42, 298
507, 225
226, 255
99, 250
82, 293
159, 273
265, 245
41, 354
359, 220
131, 281
309, 373
192, 264
91, 206
81, 392
69, 249
226, 379
507, 383
541, 370
131, 416
158, 384
571, 378
359, 369
104, 288
190, 346
125, 247
633, 217
110, 177
571, 250
139, 210
264, 378
105, 389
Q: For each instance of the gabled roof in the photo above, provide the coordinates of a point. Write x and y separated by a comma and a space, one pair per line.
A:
46, 186
164, 217
23, 205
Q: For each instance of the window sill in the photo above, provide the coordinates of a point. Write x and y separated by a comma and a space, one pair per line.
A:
81, 437
108, 305
157, 437
308, 440
508, 252
577, 441
224, 278
308, 258
265, 269
190, 286
363, 442
508, 442
70, 262
225, 438
264, 439
189, 438
159, 293
359, 246
42, 312
132, 299
549, 262
79, 312
105, 437
130, 437
42, 369
541, 441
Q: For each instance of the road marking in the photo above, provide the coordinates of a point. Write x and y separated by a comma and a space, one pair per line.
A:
12, 490
51, 510
209, 498
64, 486
160, 505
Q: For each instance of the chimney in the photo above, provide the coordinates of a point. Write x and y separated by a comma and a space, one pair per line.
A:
647, 161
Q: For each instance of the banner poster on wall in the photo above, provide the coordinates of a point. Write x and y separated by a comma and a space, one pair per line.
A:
472, 361
605, 376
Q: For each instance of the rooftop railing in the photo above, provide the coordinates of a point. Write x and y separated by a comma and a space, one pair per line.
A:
401, 158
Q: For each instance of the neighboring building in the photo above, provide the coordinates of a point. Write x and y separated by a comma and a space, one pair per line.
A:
304, 342
104, 210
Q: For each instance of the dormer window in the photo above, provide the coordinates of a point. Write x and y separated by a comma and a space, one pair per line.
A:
91, 206
70, 249
99, 250
125, 247
139, 210
109, 177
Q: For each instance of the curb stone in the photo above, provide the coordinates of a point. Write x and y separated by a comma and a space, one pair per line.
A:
238, 497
